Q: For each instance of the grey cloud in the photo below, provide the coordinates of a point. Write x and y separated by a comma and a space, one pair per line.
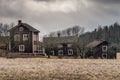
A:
49, 15
12, 8
44, 0
108, 1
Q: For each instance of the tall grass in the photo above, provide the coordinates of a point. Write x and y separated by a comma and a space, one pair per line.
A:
59, 69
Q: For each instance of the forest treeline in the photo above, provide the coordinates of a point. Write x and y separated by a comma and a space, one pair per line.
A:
109, 33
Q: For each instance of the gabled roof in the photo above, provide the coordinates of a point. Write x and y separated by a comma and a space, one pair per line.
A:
95, 43
27, 26
60, 40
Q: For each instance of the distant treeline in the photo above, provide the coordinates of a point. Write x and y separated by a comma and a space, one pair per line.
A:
71, 31
4, 29
109, 33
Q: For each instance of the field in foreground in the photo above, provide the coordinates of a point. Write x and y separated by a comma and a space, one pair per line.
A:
59, 69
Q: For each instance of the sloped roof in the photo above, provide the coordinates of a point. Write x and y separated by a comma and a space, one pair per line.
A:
95, 43
27, 26
59, 40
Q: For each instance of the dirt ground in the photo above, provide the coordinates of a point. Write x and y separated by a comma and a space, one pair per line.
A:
59, 69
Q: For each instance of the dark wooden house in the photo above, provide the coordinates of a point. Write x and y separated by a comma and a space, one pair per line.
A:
98, 49
61, 46
23, 38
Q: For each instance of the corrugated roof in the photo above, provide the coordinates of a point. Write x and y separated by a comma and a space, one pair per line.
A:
95, 43
58, 40
27, 26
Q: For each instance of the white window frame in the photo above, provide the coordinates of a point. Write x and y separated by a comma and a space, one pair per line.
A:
59, 52
40, 49
35, 37
25, 37
105, 55
70, 51
104, 50
16, 37
35, 47
22, 48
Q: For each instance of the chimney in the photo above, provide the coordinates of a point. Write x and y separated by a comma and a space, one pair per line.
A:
58, 34
19, 21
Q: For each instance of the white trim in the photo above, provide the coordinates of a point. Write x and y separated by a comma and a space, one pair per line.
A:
22, 48
70, 51
25, 37
104, 54
9, 45
35, 47
60, 52
104, 48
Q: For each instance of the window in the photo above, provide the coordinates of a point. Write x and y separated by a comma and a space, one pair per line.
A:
35, 37
21, 48
41, 49
25, 37
70, 52
69, 45
104, 48
104, 55
21, 29
35, 47
16, 37
60, 52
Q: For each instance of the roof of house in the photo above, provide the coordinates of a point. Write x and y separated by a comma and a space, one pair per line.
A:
59, 40
96, 43
27, 26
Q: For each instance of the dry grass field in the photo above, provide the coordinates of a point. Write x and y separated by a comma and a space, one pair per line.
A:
59, 69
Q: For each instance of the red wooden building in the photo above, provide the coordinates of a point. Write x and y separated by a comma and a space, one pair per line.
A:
24, 38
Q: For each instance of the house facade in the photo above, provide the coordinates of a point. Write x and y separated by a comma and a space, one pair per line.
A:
61, 46
99, 49
23, 38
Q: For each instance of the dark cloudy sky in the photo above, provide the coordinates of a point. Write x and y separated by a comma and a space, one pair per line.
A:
52, 15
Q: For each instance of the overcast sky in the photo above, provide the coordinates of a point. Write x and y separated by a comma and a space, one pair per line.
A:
52, 15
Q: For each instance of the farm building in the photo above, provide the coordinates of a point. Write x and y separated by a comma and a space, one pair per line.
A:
99, 49
24, 38
61, 46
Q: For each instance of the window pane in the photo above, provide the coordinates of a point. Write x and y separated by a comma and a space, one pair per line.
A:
25, 37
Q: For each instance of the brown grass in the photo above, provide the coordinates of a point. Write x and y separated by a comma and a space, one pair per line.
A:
59, 69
